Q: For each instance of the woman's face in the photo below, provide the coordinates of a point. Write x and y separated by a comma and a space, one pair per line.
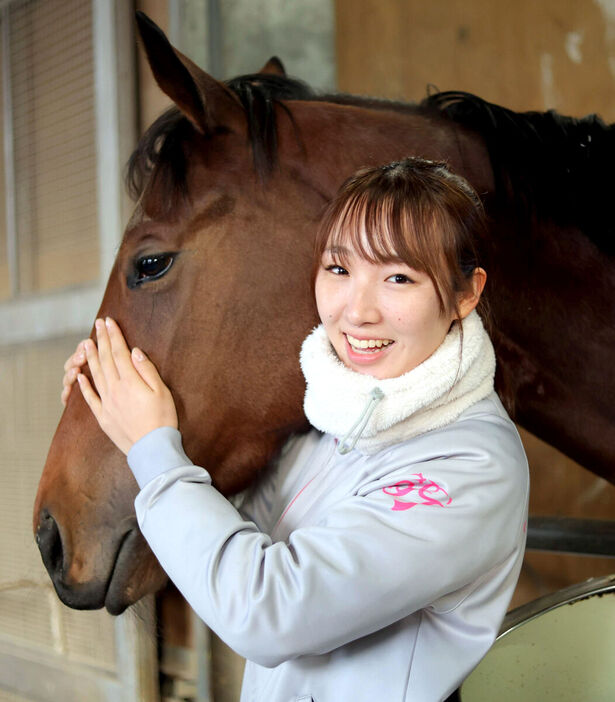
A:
382, 319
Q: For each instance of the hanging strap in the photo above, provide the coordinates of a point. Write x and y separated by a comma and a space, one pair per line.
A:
374, 398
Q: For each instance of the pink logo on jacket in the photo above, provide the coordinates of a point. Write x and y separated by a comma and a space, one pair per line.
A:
422, 491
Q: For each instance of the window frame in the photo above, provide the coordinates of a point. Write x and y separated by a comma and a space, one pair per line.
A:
38, 316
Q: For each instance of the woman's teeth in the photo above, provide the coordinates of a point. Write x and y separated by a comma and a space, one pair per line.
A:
360, 344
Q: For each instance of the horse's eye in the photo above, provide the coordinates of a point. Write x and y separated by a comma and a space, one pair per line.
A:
152, 267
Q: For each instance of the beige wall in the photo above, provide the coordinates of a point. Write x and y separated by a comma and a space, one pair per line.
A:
526, 55
152, 101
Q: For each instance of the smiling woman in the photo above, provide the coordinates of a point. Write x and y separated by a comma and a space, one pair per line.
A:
397, 264
327, 538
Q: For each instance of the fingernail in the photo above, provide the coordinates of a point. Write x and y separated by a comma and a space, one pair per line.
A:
98, 324
80, 356
108, 321
79, 378
138, 354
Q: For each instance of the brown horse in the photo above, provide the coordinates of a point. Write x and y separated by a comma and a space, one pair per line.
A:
212, 281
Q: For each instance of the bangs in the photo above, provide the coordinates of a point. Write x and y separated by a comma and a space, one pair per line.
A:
414, 212
383, 230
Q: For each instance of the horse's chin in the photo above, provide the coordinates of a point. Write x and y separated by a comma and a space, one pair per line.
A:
136, 574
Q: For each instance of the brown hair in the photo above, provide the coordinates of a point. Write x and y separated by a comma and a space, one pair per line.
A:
415, 211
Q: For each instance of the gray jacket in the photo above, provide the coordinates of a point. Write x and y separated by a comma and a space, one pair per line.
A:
349, 577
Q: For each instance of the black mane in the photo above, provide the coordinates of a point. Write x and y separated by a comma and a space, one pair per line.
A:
548, 165
161, 148
544, 164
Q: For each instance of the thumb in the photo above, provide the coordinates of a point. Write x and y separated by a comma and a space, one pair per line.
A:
145, 368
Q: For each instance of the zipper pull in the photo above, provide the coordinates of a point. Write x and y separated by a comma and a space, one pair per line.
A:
374, 398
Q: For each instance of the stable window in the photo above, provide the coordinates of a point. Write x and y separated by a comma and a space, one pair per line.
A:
49, 124
68, 124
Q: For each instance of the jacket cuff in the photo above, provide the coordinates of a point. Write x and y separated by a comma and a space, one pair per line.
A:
155, 453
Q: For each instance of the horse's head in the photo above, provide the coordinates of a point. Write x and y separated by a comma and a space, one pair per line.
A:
212, 281
218, 246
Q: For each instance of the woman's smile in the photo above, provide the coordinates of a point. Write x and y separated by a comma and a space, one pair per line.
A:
366, 351
367, 343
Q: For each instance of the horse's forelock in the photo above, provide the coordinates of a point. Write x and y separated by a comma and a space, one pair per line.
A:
160, 154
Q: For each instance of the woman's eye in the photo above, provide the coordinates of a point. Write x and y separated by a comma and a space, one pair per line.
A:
336, 269
152, 267
400, 278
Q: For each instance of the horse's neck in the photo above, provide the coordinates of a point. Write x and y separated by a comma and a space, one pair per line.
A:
358, 137
551, 298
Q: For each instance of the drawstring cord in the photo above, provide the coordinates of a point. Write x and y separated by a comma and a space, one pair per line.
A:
374, 398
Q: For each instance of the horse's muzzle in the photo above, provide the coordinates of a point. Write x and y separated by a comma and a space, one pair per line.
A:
109, 591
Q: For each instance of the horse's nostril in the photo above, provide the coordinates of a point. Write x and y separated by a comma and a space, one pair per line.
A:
50, 544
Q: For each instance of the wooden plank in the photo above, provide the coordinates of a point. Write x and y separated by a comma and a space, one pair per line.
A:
39, 675
137, 652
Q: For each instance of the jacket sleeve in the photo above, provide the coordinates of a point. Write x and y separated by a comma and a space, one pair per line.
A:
363, 567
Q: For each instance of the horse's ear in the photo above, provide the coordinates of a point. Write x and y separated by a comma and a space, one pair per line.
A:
205, 101
274, 66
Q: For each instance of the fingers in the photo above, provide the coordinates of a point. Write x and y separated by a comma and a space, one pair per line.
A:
77, 359
106, 362
64, 396
67, 383
93, 359
90, 396
71, 367
111, 360
146, 369
70, 376
119, 349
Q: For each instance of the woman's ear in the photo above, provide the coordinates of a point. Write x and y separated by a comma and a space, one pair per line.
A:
469, 299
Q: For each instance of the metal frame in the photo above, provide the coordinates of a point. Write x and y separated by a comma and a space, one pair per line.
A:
9, 159
527, 612
584, 537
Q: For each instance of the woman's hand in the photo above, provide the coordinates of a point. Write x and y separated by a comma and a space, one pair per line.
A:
71, 370
130, 398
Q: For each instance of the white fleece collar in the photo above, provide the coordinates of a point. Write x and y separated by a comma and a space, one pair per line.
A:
431, 395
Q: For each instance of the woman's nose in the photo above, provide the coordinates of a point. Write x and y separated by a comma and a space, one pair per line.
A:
362, 306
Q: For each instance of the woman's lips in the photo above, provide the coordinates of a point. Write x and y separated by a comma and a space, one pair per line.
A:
366, 350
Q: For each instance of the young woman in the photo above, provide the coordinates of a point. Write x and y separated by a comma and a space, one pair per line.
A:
377, 559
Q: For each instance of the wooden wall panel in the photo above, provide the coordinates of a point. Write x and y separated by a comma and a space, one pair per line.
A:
524, 55
30, 613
